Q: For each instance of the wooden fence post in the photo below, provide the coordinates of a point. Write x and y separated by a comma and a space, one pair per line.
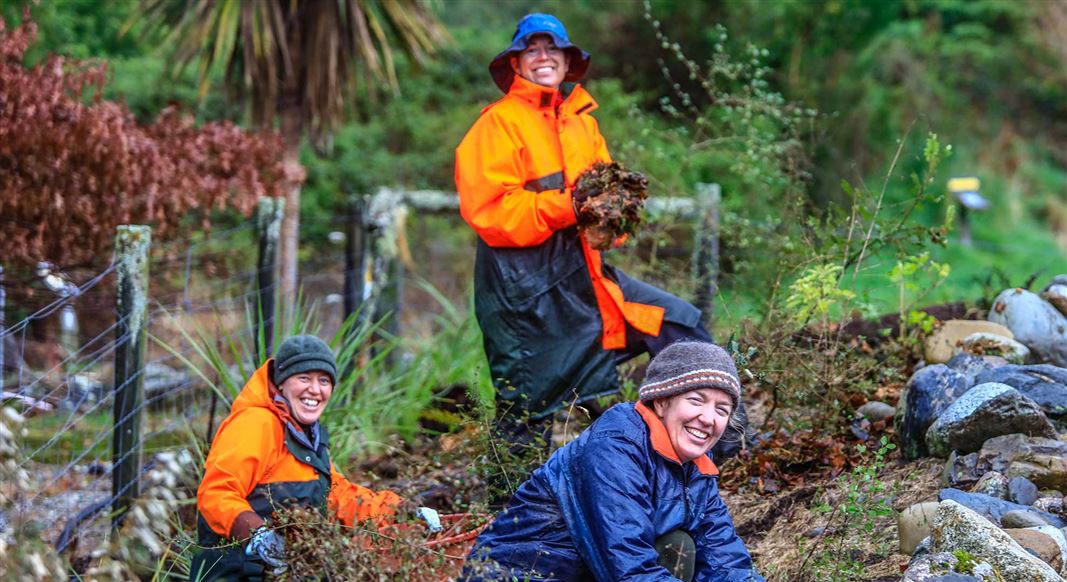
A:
131, 255
268, 225
355, 248
385, 213
706, 251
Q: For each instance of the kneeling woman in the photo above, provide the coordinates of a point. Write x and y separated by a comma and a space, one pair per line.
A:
269, 453
635, 496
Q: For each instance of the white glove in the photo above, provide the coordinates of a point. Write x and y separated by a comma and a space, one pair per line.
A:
430, 516
269, 547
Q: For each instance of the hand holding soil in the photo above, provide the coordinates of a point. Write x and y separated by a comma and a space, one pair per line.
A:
608, 202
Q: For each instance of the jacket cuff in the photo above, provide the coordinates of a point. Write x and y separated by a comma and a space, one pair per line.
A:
561, 211
244, 524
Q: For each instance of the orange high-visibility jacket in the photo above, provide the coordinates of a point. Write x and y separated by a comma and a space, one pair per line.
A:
515, 170
261, 460
550, 310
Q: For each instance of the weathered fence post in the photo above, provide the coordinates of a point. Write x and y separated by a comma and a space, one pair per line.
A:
131, 255
355, 247
268, 225
706, 251
386, 213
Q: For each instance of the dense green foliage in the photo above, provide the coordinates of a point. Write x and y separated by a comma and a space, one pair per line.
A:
989, 77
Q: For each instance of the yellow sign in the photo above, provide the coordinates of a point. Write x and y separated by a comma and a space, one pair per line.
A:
971, 184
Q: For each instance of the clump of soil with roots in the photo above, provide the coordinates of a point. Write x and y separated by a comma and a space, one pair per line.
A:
611, 198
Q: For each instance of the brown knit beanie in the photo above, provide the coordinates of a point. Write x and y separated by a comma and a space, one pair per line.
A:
685, 366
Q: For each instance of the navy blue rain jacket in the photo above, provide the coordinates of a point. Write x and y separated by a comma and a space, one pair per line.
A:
596, 508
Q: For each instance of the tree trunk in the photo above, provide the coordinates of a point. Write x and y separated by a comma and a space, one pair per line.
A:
290, 234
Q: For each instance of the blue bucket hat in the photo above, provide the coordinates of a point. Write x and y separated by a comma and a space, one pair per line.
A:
530, 25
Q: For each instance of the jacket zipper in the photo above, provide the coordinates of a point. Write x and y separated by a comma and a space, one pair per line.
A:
685, 492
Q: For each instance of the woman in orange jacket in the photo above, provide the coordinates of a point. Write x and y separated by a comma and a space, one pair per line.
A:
555, 318
272, 452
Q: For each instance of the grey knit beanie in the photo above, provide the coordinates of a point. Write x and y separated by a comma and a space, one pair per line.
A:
303, 353
684, 366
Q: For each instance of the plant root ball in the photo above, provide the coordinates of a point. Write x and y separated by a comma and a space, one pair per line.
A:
610, 202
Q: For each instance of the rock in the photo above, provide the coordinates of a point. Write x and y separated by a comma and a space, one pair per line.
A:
1042, 472
940, 567
82, 389
1053, 505
1034, 322
983, 344
1040, 545
1022, 491
1041, 460
960, 470
875, 410
983, 412
161, 379
1060, 538
992, 484
1044, 384
941, 345
958, 528
914, 523
1020, 518
1056, 295
992, 508
926, 395
971, 365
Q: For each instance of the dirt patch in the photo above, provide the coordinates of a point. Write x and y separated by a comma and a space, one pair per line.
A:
785, 534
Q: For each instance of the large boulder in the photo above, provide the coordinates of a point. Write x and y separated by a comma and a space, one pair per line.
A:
1035, 323
941, 345
983, 412
926, 395
957, 528
992, 508
1041, 460
1044, 384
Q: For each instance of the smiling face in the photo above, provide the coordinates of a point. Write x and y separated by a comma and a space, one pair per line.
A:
694, 420
307, 394
541, 62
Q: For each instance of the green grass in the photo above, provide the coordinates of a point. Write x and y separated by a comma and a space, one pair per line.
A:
91, 435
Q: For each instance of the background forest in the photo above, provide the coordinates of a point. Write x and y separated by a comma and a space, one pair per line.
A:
988, 77
832, 127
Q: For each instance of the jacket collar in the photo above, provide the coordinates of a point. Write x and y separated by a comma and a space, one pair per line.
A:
577, 100
661, 441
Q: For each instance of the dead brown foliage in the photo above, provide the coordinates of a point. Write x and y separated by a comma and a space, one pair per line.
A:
319, 547
74, 166
611, 198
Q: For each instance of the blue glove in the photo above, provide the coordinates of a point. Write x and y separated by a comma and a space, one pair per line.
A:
430, 516
269, 547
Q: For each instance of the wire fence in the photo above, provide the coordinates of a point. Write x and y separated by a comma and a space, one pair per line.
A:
60, 367
59, 361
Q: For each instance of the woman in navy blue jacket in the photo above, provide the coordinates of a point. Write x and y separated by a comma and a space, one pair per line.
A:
635, 496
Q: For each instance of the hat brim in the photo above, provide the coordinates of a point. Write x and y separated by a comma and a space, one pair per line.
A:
503, 75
